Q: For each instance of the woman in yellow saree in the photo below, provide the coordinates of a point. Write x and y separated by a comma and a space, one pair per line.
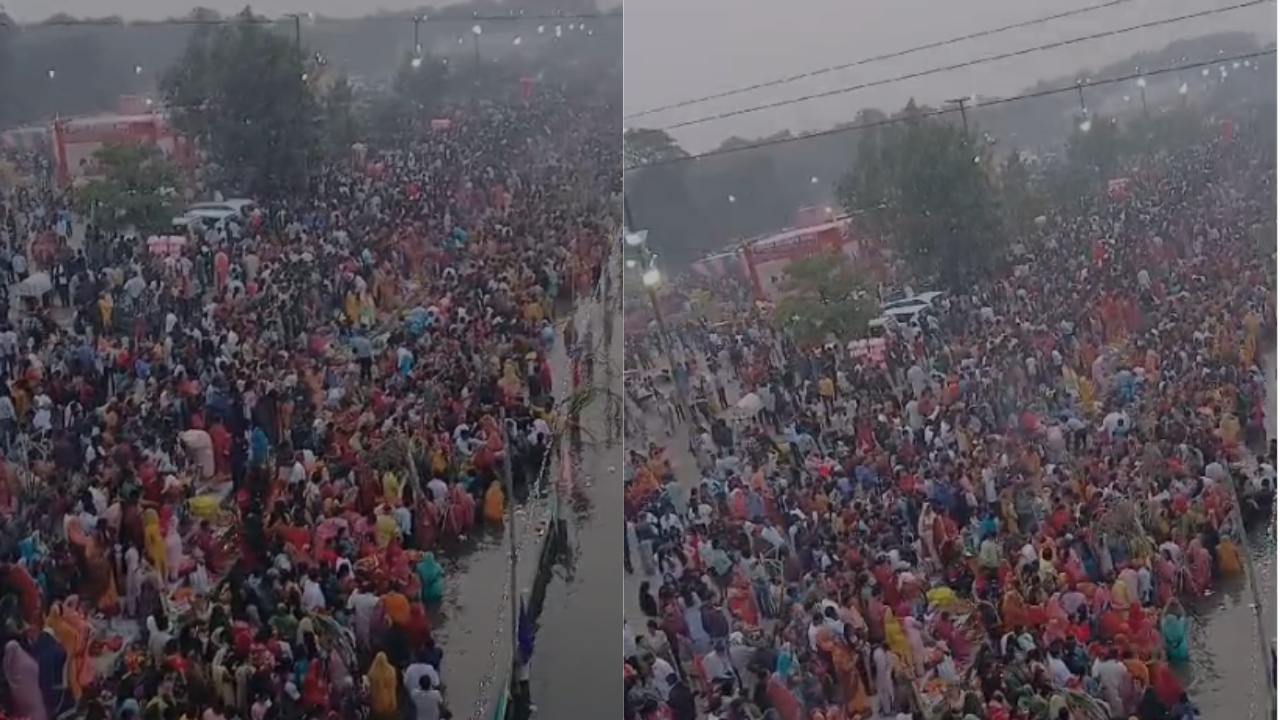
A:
896, 638
153, 538
382, 688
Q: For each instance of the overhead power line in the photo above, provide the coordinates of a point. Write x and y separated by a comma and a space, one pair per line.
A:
962, 65
426, 20
880, 58
1074, 88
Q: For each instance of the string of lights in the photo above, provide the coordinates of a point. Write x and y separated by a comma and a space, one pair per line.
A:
966, 64
1079, 86
880, 58
310, 19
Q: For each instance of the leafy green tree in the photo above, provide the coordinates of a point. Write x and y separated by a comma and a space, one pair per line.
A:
925, 187
133, 190
821, 296
422, 81
658, 197
1021, 196
341, 119
646, 146
241, 91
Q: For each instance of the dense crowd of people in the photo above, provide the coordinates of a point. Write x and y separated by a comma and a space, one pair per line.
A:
1010, 515
231, 463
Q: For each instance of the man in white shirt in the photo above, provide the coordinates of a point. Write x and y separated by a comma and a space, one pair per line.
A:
1058, 669
414, 674
312, 595
427, 701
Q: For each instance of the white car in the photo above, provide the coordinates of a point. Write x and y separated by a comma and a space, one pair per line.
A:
916, 301
903, 311
214, 213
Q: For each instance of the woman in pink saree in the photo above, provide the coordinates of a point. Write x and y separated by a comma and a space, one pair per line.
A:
1101, 600
947, 631
23, 674
1073, 568
1199, 565
1053, 609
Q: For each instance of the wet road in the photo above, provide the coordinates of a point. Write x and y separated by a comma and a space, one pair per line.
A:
577, 669
1228, 676
473, 625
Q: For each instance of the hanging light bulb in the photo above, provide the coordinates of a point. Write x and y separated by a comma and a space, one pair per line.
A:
52, 73
1182, 89
517, 41
416, 62
542, 29
1086, 126
559, 31
137, 69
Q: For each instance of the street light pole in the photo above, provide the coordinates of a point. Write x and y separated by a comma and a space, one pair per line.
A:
665, 341
417, 35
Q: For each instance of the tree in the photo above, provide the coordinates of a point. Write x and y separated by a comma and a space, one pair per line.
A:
423, 81
9, 92
644, 146
133, 189
657, 191
241, 92
823, 295
924, 186
341, 120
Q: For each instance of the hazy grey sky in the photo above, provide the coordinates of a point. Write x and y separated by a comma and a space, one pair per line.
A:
32, 10
679, 49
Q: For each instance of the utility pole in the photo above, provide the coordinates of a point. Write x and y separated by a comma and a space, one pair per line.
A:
964, 113
297, 31
626, 214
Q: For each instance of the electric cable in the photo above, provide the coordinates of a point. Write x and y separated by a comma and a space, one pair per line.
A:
965, 64
879, 58
1074, 88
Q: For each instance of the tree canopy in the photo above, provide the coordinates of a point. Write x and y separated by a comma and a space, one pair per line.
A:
823, 295
925, 187
241, 92
133, 189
